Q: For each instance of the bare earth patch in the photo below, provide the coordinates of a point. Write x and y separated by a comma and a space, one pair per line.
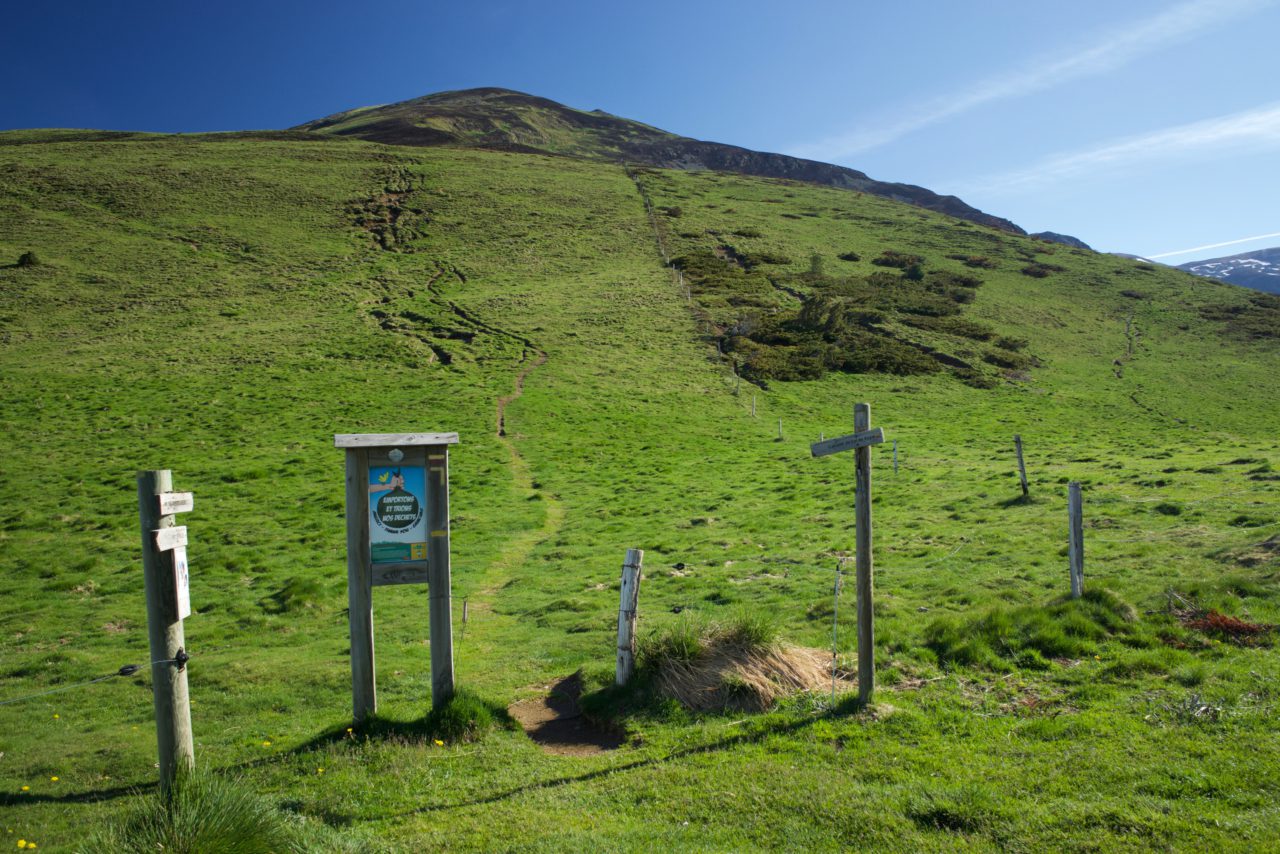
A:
554, 721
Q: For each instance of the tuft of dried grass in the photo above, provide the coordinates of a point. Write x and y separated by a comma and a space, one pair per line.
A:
731, 676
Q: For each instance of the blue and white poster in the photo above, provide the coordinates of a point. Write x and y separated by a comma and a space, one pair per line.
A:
397, 513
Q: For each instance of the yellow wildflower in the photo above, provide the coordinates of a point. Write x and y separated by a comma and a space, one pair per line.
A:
53, 779
439, 743
26, 788
266, 744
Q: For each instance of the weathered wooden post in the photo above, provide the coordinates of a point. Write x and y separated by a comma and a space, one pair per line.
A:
753, 406
1022, 468
862, 559
628, 602
895, 456
402, 537
165, 574
860, 442
779, 430
1075, 545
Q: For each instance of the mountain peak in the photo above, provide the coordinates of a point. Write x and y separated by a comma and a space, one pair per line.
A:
504, 119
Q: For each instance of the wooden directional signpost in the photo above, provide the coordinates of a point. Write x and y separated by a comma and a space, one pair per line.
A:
397, 533
166, 578
860, 442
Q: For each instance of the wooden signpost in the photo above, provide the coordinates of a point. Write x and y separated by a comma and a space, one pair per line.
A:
860, 442
166, 578
397, 533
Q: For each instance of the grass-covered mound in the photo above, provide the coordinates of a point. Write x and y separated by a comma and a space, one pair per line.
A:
738, 663
1031, 635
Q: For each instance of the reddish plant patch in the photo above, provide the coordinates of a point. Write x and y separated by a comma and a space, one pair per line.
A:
1231, 628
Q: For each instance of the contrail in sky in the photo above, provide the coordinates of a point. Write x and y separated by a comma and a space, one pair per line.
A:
1216, 245
1259, 127
1128, 43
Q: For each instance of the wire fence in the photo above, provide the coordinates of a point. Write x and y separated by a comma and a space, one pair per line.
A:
126, 670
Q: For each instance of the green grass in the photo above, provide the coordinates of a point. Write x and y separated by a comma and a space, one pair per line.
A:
211, 305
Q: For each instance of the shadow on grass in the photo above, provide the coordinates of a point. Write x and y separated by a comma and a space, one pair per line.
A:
88, 797
753, 732
1016, 501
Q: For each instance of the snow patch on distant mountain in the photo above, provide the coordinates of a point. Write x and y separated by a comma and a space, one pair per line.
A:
1259, 270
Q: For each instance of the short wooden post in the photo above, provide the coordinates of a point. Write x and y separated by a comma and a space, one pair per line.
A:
164, 631
1022, 468
1075, 545
895, 456
753, 406
866, 618
629, 599
364, 692
779, 429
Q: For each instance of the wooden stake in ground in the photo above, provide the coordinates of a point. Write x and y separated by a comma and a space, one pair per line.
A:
1075, 543
629, 599
164, 576
895, 456
1022, 468
860, 443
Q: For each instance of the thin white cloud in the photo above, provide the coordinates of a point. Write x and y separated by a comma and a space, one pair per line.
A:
1208, 246
1258, 128
1126, 44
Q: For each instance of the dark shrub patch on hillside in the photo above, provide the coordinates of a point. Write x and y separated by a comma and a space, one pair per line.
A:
950, 326
1259, 318
755, 259
901, 260
847, 323
1040, 271
849, 256
28, 259
977, 261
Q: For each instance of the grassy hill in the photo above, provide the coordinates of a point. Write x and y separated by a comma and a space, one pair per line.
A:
503, 120
222, 305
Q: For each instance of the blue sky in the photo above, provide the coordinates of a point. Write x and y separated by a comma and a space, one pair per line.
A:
1146, 127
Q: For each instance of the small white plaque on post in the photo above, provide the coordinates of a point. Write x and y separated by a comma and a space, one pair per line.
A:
171, 538
176, 502
182, 582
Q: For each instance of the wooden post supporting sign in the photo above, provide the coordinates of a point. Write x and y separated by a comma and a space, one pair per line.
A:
165, 576
397, 487
860, 443
629, 598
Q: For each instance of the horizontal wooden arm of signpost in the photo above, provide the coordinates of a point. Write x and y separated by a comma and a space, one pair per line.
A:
175, 502
847, 443
170, 538
378, 440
